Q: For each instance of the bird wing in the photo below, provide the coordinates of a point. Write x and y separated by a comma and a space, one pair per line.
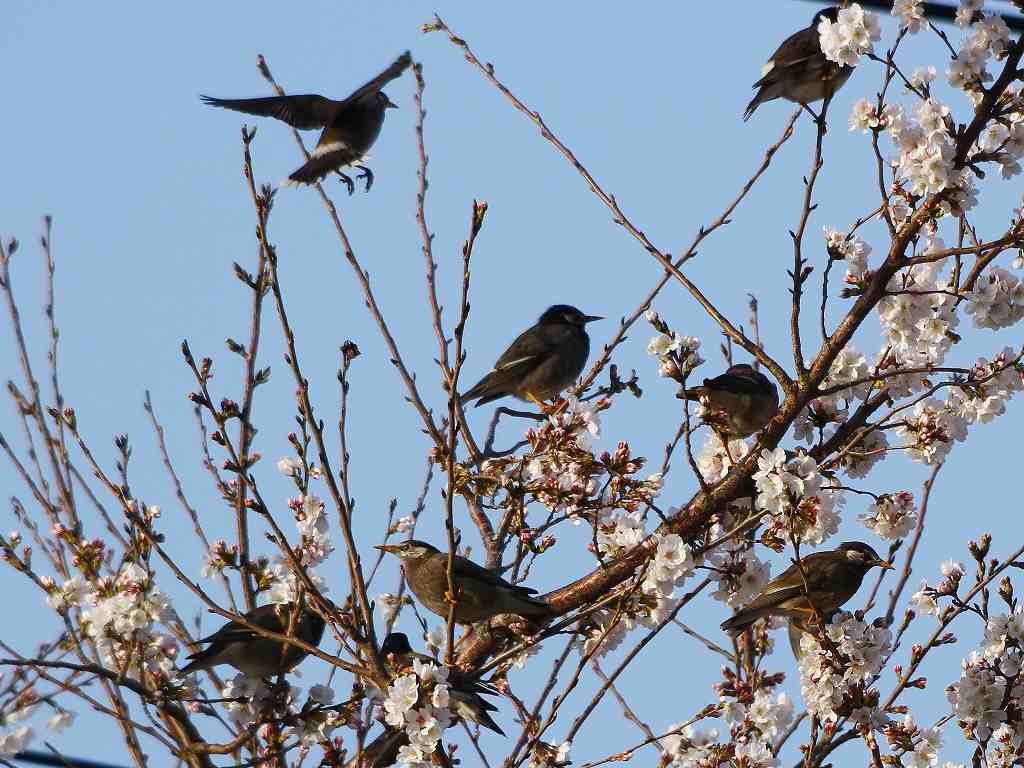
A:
395, 70
525, 352
795, 50
740, 385
265, 616
465, 567
229, 633
790, 583
303, 112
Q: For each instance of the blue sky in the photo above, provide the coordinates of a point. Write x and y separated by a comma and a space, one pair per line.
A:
104, 131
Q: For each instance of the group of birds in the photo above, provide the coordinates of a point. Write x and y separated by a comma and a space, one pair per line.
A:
542, 362
808, 592
798, 72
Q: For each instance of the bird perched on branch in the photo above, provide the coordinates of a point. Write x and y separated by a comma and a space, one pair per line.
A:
251, 653
464, 691
738, 403
827, 581
479, 593
350, 127
543, 361
798, 71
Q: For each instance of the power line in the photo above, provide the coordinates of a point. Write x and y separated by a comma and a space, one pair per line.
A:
946, 13
35, 757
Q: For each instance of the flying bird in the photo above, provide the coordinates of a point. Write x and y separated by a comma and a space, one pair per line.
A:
350, 127
737, 403
255, 655
541, 362
832, 578
479, 593
798, 71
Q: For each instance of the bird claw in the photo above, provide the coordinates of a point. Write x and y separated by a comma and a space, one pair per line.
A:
365, 173
347, 181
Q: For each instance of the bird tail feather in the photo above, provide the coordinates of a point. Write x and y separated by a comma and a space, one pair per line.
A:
735, 624
198, 661
320, 164
753, 105
484, 390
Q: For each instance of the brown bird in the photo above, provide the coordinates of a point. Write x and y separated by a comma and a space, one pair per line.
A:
798, 71
350, 127
255, 655
541, 362
738, 403
464, 691
480, 593
832, 578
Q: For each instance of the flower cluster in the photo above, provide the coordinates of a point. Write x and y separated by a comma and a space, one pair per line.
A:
677, 355
851, 36
563, 474
834, 684
790, 489
739, 575
689, 747
892, 516
313, 526
672, 563
926, 599
220, 555
920, 746
282, 585
418, 703
865, 117
715, 459
14, 741
823, 414
989, 37
934, 426
911, 15
853, 250
988, 699
996, 300
917, 318
756, 719
119, 614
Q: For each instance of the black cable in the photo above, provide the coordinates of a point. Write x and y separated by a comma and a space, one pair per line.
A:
940, 12
35, 757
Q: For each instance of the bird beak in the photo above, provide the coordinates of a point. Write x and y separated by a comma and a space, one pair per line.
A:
392, 548
886, 565
389, 104
591, 318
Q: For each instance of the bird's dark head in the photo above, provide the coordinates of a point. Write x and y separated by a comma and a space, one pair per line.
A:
396, 642
742, 369
746, 371
861, 554
413, 549
561, 314
832, 14
384, 101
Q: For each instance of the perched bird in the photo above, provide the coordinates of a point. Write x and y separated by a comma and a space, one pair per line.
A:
798, 71
350, 127
480, 593
832, 578
400, 655
255, 655
738, 403
543, 361
464, 691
